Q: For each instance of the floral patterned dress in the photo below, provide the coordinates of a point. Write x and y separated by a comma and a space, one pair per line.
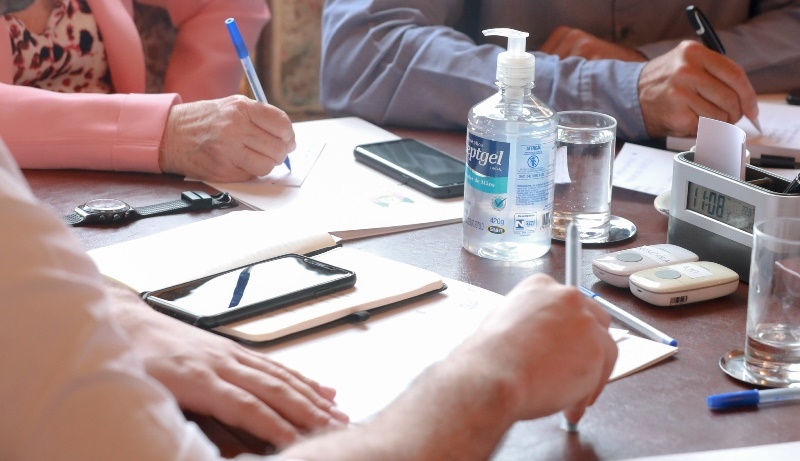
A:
68, 57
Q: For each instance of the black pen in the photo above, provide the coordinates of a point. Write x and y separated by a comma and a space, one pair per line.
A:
703, 29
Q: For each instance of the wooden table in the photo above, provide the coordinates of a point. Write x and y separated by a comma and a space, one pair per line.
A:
657, 411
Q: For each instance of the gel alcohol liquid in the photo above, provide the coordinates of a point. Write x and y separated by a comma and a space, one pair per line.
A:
509, 179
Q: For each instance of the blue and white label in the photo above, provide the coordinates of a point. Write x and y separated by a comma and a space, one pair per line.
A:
487, 164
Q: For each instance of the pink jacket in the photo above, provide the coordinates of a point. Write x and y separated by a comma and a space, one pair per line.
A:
122, 132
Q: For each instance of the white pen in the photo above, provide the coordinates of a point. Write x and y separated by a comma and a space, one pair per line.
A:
573, 256
629, 320
249, 70
751, 398
572, 276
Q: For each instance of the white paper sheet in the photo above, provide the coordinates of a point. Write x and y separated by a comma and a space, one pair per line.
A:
643, 169
370, 365
343, 196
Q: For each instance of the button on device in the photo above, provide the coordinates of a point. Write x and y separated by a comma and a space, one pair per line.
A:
668, 274
629, 257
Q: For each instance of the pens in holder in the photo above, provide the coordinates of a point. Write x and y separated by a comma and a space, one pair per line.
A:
751, 398
703, 29
249, 70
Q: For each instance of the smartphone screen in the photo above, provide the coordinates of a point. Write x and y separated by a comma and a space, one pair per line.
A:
416, 164
250, 290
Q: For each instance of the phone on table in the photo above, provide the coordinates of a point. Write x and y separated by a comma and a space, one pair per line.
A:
416, 164
250, 290
793, 97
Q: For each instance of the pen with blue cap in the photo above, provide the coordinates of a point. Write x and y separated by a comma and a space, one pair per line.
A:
703, 29
634, 323
249, 70
752, 398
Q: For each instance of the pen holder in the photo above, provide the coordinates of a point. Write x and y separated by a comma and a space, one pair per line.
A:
713, 214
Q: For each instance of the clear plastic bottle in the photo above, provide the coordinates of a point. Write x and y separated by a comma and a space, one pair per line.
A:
511, 137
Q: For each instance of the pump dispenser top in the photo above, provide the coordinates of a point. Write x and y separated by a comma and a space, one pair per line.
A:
515, 67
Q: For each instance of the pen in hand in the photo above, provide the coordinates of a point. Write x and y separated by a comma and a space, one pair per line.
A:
249, 70
572, 247
703, 29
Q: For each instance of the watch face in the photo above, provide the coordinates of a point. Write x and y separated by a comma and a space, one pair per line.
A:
105, 205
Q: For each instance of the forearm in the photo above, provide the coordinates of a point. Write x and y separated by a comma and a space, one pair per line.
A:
408, 66
762, 46
120, 132
457, 409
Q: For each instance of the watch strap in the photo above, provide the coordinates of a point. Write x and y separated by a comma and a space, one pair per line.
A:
190, 201
72, 219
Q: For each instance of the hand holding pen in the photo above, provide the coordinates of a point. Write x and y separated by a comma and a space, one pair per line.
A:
702, 27
249, 70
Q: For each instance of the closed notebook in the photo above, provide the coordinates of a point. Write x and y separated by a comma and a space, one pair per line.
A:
244, 237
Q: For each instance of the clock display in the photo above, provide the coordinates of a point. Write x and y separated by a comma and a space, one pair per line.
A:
720, 207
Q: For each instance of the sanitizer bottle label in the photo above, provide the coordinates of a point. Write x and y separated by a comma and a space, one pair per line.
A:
492, 180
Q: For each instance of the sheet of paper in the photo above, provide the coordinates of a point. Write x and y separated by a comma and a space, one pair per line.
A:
345, 197
302, 159
371, 364
775, 452
721, 146
643, 169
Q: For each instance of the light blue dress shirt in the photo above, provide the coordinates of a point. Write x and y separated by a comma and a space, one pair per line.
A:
413, 62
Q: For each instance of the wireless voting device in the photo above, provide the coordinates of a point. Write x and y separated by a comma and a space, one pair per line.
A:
712, 214
683, 283
616, 267
416, 164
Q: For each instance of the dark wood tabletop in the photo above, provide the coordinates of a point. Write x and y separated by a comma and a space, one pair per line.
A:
659, 410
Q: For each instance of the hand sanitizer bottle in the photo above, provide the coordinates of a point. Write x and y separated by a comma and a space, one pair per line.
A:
511, 136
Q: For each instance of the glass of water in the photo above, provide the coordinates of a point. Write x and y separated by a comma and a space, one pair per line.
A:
772, 348
584, 161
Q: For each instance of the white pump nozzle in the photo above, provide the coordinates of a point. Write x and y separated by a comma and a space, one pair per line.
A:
515, 67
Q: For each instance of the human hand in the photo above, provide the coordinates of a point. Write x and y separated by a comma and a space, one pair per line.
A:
227, 140
551, 343
212, 375
566, 41
690, 81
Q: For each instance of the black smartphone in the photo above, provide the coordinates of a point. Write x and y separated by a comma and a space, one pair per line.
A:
417, 164
793, 97
250, 290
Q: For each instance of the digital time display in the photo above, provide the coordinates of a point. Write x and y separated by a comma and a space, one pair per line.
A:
720, 207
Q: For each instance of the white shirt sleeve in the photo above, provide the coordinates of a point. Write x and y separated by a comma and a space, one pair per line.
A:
70, 386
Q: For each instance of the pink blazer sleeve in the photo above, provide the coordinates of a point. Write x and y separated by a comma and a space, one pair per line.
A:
203, 63
122, 132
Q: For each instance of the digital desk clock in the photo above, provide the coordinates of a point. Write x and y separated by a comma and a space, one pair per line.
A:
712, 214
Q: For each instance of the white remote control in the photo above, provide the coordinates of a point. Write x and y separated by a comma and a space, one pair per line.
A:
615, 268
683, 283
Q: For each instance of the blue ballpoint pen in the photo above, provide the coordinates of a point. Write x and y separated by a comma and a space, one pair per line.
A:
249, 70
629, 320
751, 398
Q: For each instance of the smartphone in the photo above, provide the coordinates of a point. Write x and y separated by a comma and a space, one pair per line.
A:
416, 164
250, 290
793, 97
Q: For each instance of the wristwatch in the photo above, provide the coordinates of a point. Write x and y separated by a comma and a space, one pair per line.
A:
109, 210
